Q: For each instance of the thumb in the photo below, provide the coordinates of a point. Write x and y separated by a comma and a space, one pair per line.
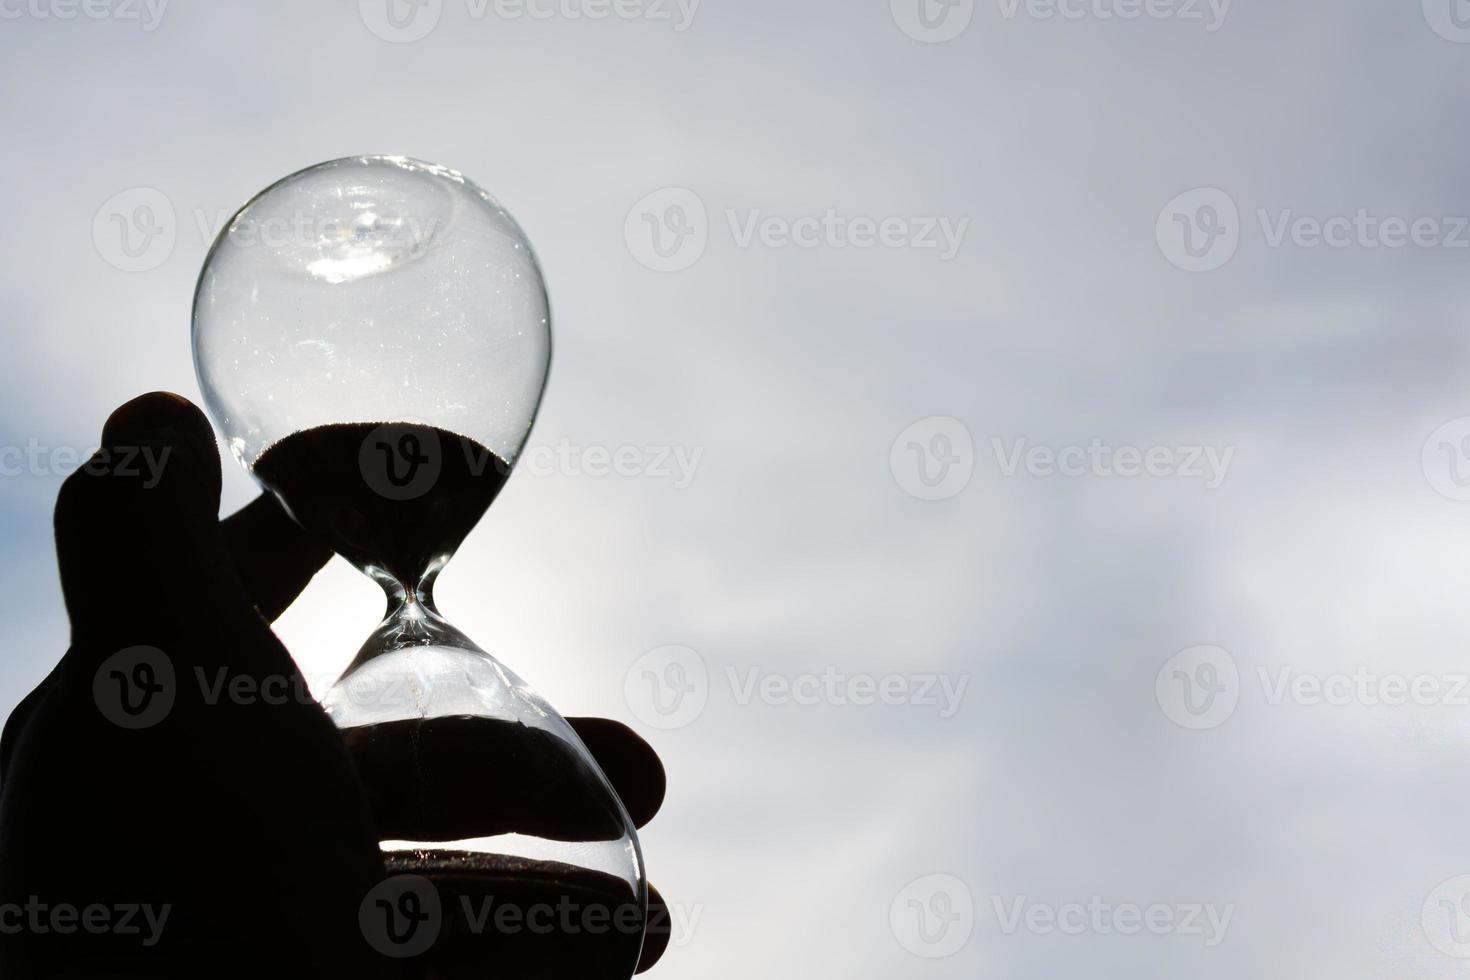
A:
137, 538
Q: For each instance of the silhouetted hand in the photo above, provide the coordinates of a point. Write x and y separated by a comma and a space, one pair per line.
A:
172, 802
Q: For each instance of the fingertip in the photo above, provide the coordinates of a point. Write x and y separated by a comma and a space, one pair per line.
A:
167, 436
145, 413
629, 762
658, 932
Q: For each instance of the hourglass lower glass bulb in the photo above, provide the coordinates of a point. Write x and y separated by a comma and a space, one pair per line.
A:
372, 336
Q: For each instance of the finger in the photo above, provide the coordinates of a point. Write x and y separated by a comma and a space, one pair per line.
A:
134, 523
273, 556
629, 763
543, 785
656, 937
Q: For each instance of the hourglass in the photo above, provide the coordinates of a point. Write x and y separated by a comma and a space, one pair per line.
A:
372, 336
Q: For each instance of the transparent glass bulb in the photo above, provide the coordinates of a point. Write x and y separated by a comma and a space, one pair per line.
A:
372, 336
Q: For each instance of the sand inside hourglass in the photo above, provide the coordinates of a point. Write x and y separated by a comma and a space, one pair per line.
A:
394, 496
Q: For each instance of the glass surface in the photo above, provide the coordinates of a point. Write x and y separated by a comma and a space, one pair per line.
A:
372, 337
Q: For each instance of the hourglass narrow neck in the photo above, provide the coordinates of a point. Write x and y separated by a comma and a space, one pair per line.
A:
416, 591
412, 619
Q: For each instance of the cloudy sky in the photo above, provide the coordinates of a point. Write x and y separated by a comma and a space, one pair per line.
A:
1067, 570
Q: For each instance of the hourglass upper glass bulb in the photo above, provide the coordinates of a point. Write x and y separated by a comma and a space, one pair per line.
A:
362, 292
